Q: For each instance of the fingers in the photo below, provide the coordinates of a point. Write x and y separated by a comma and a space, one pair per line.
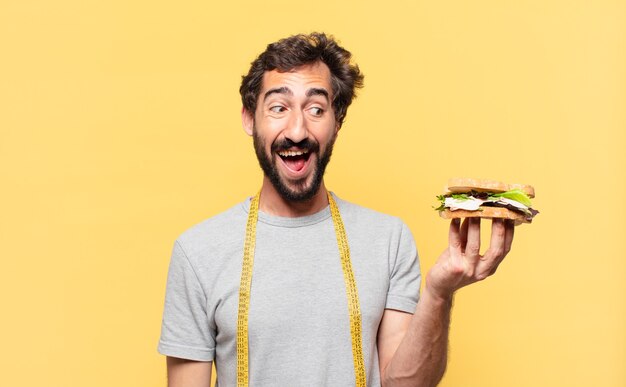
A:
498, 237
501, 239
472, 244
459, 233
508, 239
464, 233
463, 257
455, 242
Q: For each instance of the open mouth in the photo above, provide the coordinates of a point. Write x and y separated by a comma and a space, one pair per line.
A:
295, 160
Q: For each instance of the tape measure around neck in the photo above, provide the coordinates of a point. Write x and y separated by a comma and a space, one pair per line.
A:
246, 281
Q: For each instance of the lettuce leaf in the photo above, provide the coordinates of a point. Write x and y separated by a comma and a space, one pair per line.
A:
516, 194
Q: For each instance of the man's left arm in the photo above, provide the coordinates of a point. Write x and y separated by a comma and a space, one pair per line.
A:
412, 349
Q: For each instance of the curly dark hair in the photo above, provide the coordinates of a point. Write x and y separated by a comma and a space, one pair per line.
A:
298, 50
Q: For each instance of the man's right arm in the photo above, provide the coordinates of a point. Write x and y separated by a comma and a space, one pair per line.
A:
188, 373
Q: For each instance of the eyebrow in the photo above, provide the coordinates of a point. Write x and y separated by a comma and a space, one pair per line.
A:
277, 90
285, 90
317, 91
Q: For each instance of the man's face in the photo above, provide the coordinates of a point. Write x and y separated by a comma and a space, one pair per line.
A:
294, 129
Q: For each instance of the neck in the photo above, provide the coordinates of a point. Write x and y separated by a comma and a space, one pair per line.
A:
274, 204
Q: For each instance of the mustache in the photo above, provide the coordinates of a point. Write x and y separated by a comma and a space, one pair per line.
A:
285, 144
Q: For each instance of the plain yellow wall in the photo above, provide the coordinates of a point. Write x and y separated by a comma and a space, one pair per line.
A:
120, 128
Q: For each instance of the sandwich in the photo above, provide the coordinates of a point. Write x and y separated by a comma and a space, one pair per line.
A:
471, 198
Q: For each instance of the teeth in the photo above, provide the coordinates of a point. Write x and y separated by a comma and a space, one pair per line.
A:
292, 153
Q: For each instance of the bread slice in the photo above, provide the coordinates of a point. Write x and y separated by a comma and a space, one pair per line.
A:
462, 185
487, 212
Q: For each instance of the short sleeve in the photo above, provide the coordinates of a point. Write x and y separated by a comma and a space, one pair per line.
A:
185, 330
405, 275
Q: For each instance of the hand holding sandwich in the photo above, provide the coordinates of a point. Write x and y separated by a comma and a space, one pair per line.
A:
461, 263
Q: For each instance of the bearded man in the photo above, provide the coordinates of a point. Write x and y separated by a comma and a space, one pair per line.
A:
295, 286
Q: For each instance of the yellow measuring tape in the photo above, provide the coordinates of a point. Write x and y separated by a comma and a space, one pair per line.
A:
246, 280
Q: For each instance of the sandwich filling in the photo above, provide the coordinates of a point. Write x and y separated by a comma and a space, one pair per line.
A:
514, 200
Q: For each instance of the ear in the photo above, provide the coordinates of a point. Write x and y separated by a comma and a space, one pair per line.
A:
247, 120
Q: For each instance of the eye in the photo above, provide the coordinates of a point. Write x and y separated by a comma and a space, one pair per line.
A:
278, 109
316, 111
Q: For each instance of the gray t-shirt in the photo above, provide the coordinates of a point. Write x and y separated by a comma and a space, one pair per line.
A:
299, 328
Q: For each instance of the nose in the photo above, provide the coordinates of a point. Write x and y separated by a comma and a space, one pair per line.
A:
296, 129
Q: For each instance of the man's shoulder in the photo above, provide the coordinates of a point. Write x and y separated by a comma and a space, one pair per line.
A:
369, 218
224, 228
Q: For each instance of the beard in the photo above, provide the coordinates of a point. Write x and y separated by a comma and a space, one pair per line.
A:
293, 190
